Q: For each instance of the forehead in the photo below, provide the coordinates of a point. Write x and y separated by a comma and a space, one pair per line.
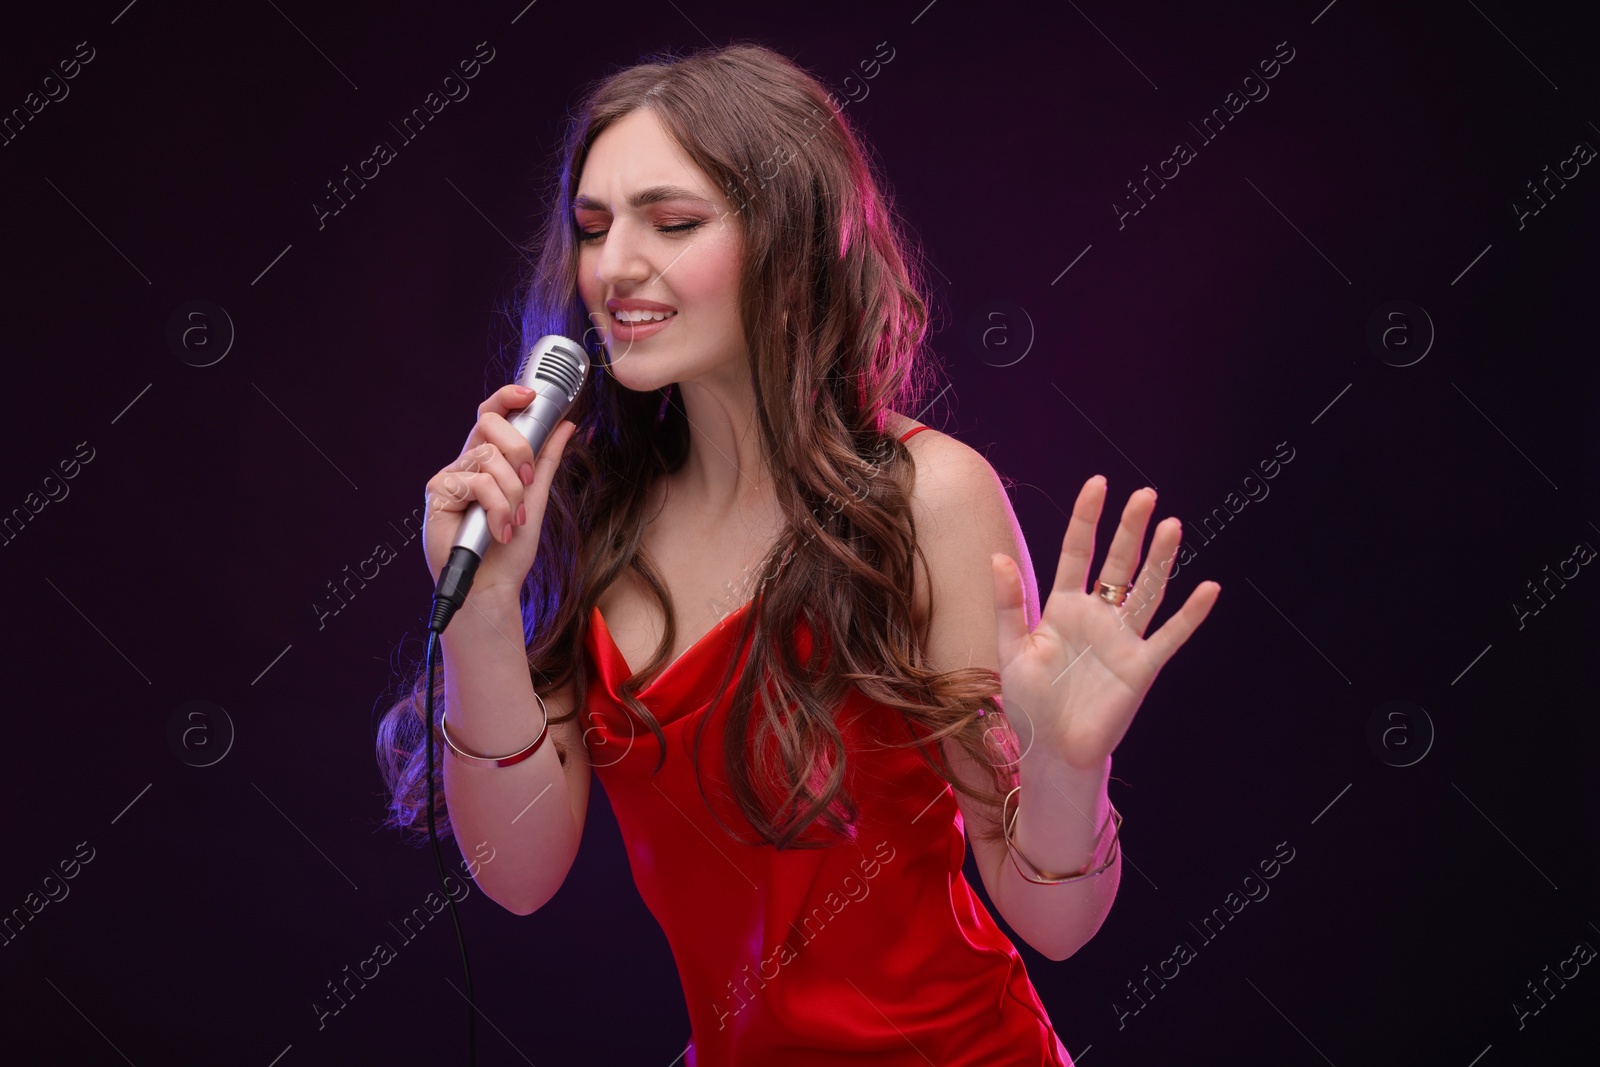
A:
636, 153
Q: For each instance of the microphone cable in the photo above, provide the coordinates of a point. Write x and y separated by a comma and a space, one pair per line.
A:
556, 368
433, 837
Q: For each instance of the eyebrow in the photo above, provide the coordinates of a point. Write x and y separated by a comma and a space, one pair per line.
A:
654, 194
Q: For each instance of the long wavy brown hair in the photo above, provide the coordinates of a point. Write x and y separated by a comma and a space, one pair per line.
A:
835, 321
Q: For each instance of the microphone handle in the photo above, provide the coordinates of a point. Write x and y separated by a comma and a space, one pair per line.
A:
535, 423
554, 368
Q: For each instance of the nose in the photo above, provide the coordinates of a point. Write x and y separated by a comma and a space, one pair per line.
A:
621, 257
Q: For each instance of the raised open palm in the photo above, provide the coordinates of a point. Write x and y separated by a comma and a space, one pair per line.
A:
1078, 677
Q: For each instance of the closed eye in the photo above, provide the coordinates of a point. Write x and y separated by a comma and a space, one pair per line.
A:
585, 236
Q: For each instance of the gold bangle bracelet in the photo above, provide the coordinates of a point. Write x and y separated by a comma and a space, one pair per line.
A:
498, 761
1039, 877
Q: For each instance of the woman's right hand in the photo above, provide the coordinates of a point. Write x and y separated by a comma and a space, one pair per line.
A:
496, 468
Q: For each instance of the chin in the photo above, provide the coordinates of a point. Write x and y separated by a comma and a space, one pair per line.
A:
648, 366
640, 372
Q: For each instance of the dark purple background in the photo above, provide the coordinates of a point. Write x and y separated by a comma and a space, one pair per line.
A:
1228, 316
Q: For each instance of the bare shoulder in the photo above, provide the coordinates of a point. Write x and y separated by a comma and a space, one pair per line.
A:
949, 472
962, 514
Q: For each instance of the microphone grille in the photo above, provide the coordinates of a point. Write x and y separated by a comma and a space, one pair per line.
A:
560, 364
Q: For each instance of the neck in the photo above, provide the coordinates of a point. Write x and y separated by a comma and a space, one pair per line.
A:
725, 470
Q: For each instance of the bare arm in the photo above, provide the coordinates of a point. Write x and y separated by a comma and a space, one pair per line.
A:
962, 515
531, 813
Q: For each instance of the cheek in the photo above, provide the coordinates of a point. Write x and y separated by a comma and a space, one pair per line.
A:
710, 281
591, 294
588, 287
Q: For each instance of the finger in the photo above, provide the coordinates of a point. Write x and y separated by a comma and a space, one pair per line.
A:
544, 470
505, 402
1178, 629
1010, 606
512, 445
508, 495
1151, 585
1077, 546
484, 476
449, 490
487, 491
1123, 555
555, 445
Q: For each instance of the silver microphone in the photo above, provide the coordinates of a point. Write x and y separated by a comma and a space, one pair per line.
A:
555, 368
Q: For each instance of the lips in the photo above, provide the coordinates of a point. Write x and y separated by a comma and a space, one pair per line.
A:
636, 331
632, 304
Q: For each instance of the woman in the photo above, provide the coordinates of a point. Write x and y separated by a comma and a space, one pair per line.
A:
736, 586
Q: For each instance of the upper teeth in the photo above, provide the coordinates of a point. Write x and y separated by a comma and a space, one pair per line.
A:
641, 316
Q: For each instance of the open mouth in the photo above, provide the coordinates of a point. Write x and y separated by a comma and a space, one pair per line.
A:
623, 330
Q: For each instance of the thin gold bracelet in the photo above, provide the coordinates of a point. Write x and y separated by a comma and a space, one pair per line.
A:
499, 761
1039, 877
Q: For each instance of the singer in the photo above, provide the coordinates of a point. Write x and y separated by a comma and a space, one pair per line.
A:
795, 633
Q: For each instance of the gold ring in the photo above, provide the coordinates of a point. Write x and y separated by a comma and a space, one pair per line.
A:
1112, 594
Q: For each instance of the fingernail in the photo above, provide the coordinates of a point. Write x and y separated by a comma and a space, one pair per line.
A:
522, 515
506, 537
527, 473
523, 389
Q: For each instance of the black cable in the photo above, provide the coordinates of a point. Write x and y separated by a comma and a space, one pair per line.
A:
433, 836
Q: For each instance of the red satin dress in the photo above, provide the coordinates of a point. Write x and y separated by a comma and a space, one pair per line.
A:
875, 951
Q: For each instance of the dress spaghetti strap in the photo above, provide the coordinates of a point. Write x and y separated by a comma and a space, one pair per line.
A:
912, 432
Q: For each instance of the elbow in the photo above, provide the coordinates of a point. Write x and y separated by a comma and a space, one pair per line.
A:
1063, 942
516, 904
1057, 951
527, 894
520, 904
518, 900
523, 909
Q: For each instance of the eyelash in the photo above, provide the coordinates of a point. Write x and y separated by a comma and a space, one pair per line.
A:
585, 237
